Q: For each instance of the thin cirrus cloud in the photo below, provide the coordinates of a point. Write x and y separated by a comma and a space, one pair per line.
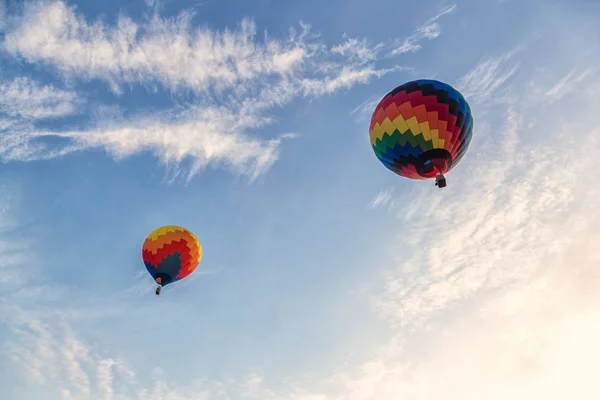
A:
489, 226
23, 102
27, 99
569, 83
495, 275
383, 199
241, 78
489, 75
502, 270
429, 30
502, 267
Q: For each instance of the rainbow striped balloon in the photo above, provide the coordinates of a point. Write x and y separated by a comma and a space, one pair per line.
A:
421, 128
171, 253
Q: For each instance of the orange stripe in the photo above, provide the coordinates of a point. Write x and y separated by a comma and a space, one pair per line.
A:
420, 113
407, 111
162, 241
432, 117
380, 115
392, 111
167, 238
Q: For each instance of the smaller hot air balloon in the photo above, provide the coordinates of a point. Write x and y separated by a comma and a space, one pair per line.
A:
421, 130
171, 253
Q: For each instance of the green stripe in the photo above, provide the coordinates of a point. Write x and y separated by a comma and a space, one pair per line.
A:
423, 143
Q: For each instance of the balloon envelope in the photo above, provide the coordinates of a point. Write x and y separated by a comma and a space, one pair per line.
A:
171, 253
421, 128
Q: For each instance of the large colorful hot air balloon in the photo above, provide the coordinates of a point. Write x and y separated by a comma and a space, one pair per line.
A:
171, 253
421, 130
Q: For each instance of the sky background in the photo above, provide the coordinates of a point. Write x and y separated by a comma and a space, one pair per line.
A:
324, 275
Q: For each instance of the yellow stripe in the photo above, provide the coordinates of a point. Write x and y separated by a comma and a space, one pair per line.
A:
413, 124
435, 138
400, 124
166, 239
376, 133
425, 129
163, 230
388, 126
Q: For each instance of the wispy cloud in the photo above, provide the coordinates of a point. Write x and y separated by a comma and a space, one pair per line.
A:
428, 31
165, 50
357, 49
383, 199
236, 78
490, 273
477, 242
13, 250
23, 103
173, 138
38, 340
28, 99
365, 109
347, 78
568, 84
488, 77
50, 355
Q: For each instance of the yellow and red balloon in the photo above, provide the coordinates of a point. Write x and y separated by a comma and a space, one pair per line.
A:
171, 253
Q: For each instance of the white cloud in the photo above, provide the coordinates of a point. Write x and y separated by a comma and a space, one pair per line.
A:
356, 49
347, 78
384, 198
51, 356
23, 102
169, 51
27, 99
488, 76
565, 86
365, 109
236, 77
166, 50
475, 243
429, 30
13, 251
173, 141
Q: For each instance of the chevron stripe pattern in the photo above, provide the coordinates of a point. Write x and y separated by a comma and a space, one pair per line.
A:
171, 253
421, 128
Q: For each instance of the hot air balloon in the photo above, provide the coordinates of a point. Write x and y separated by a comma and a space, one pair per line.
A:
421, 130
171, 253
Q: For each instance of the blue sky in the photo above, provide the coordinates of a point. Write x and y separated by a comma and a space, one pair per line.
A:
324, 276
